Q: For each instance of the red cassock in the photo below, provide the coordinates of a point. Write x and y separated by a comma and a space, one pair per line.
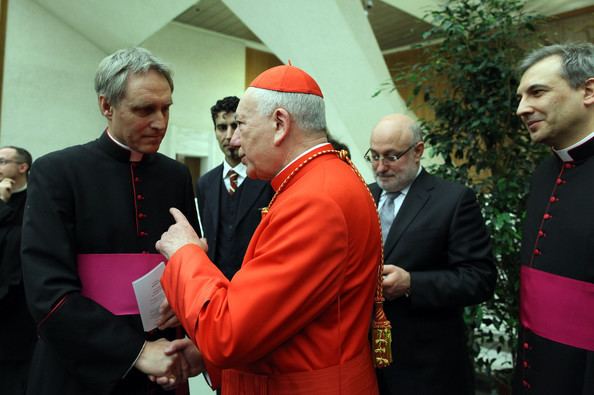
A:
295, 318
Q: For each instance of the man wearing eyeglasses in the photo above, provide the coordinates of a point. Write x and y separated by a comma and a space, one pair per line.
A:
17, 332
438, 259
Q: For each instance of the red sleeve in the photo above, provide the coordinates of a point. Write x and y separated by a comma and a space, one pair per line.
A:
294, 269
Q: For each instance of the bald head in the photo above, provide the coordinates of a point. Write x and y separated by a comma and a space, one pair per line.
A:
395, 151
395, 128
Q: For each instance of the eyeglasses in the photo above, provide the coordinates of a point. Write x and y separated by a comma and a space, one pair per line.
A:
5, 161
373, 157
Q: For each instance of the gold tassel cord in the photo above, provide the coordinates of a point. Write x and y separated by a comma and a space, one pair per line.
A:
381, 329
381, 338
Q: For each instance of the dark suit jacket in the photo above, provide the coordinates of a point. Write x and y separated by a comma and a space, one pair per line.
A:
255, 195
439, 237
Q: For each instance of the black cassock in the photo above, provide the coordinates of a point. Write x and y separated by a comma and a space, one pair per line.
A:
90, 199
17, 331
558, 243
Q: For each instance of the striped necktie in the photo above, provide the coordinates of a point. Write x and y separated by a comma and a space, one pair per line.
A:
232, 181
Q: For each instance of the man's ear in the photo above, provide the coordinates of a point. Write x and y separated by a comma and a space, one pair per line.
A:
589, 92
419, 149
23, 168
105, 108
282, 124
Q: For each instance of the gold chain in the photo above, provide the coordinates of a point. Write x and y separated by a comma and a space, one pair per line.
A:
344, 156
286, 180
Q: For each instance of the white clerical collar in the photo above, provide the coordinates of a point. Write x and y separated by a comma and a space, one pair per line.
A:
135, 156
564, 154
21, 189
302, 155
240, 169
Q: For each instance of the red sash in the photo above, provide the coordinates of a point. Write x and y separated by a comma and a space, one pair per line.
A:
107, 278
355, 377
557, 308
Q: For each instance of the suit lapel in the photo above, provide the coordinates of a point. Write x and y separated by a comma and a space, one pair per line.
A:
249, 195
212, 201
376, 192
414, 201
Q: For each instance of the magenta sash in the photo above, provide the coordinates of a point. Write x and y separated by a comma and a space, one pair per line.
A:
557, 308
107, 278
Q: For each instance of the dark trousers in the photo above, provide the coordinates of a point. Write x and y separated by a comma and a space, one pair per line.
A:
13, 377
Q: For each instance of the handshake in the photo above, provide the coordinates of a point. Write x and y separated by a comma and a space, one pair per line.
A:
169, 363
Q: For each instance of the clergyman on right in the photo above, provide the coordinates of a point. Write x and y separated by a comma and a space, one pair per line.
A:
556, 339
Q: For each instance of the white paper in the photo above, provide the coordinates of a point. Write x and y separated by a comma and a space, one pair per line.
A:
199, 219
149, 295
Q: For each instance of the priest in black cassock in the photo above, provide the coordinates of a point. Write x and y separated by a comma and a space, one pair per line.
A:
556, 343
17, 332
93, 215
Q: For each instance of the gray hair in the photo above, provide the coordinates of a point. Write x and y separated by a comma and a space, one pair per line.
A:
417, 132
577, 61
307, 110
113, 71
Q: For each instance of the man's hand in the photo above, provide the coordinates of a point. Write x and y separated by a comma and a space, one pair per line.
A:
6, 186
178, 235
396, 282
190, 363
167, 318
154, 361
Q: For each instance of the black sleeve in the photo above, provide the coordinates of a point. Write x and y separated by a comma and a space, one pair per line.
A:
10, 242
468, 276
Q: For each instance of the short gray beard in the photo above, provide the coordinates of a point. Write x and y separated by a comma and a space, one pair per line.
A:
401, 180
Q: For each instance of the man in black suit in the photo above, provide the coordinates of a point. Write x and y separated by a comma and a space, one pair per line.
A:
438, 259
229, 202
17, 332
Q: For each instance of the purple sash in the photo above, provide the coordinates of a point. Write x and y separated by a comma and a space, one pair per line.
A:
107, 278
557, 308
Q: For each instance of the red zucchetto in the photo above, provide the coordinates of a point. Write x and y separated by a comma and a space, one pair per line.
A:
287, 78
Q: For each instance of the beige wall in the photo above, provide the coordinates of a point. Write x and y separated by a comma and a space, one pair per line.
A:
576, 25
49, 100
256, 62
3, 9
48, 97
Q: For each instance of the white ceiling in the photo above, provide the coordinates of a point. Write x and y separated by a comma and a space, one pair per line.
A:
395, 23
113, 24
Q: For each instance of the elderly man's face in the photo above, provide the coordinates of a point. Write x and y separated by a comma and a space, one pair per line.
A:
140, 119
391, 138
554, 113
255, 137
